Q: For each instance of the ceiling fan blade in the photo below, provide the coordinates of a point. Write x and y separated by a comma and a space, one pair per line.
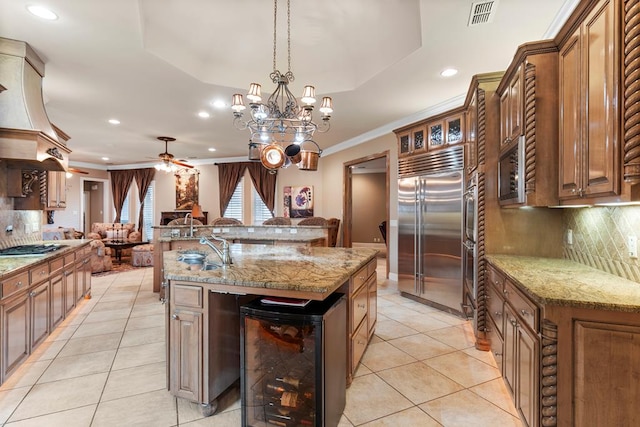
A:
186, 165
74, 170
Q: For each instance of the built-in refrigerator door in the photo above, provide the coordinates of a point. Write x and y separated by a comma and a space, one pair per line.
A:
407, 229
441, 264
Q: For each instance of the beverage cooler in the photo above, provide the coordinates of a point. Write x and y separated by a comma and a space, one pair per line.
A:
293, 362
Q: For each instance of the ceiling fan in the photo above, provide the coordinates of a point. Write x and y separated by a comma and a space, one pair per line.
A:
166, 157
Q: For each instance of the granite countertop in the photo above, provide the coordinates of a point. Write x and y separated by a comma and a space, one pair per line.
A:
557, 281
318, 271
274, 237
12, 264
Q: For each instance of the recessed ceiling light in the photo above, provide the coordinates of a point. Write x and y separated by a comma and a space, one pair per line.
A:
448, 72
219, 103
204, 115
105, 158
42, 12
114, 121
212, 149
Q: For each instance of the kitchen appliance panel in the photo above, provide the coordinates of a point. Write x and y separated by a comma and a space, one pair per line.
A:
407, 231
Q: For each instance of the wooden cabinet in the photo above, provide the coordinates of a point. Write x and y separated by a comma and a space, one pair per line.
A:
186, 355
529, 124
56, 190
33, 301
589, 69
413, 140
361, 314
513, 327
511, 108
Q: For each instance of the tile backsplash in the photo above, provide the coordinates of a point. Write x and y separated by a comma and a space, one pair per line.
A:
600, 238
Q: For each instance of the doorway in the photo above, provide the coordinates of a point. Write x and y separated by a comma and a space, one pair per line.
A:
93, 203
366, 202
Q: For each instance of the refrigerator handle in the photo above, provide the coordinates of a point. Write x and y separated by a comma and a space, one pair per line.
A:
418, 249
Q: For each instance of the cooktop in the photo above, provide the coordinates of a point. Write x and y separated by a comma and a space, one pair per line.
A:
29, 250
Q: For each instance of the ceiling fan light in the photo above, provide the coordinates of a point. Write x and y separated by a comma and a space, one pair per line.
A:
308, 95
254, 94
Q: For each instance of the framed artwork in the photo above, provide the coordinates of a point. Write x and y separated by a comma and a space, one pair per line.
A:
301, 202
187, 188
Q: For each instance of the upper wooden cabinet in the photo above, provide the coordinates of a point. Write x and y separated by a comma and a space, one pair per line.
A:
431, 134
528, 96
589, 107
56, 190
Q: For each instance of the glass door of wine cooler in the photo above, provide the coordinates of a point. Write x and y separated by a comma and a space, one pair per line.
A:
284, 353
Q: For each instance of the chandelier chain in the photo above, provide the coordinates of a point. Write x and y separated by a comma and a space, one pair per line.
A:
288, 36
275, 25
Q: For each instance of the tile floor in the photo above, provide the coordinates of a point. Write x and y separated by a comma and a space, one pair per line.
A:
105, 366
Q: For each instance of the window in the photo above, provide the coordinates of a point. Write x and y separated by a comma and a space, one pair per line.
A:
124, 215
235, 206
260, 210
148, 213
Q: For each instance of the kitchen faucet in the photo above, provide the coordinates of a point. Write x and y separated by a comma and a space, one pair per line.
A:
189, 215
224, 253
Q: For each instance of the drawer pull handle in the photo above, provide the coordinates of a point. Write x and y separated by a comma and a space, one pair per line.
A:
498, 313
32, 293
525, 312
361, 342
42, 273
175, 317
495, 353
19, 284
488, 330
361, 306
513, 322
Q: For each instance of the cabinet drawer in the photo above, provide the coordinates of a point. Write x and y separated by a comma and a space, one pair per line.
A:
371, 267
69, 259
495, 278
187, 296
56, 264
14, 284
358, 345
495, 307
359, 306
526, 309
359, 278
39, 273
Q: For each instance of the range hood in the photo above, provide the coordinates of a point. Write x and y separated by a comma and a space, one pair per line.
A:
28, 140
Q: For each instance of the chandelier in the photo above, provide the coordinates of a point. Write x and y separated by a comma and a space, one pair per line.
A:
282, 128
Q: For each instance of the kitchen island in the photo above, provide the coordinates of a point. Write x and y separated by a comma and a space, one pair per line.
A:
203, 307
567, 338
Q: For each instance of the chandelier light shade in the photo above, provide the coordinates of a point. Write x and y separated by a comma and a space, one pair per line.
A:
166, 166
281, 123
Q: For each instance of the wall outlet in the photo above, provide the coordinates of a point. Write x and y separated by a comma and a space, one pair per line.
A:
632, 246
9, 229
569, 237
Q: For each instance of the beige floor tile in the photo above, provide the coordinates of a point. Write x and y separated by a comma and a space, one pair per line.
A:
101, 316
463, 369
383, 355
390, 329
225, 419
362, 370
228, 401
60, 395
62, 333
421, 322
464, 409
9, 400
118, 295
410, 380
48, 350
79, 417
496, 392
114, 305
137, 380
141, 310
139, 355
344, 422
145, 322
156, 408
92, 344
484, 356
451, 319
419, 307
421, 346
455, 336
27, 374
101, 328
143, 336
77, 366
413, 417
370, 398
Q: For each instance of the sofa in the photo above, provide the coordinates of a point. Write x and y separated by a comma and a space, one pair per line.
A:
100, 255
111, 231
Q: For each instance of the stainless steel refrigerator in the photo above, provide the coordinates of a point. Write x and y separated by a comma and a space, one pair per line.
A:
430, 190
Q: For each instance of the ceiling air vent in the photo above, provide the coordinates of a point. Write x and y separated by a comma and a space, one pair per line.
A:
482, 12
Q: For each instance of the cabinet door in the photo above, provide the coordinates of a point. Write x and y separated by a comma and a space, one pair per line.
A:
600, 77
56, 190
435, 134
515, 105
509, 355
471, 159
419, 138
454, 129
39, 298
404, 143
185, 352
57, 300
527, 368
570, 119
15, 334
70, 278
504, 118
